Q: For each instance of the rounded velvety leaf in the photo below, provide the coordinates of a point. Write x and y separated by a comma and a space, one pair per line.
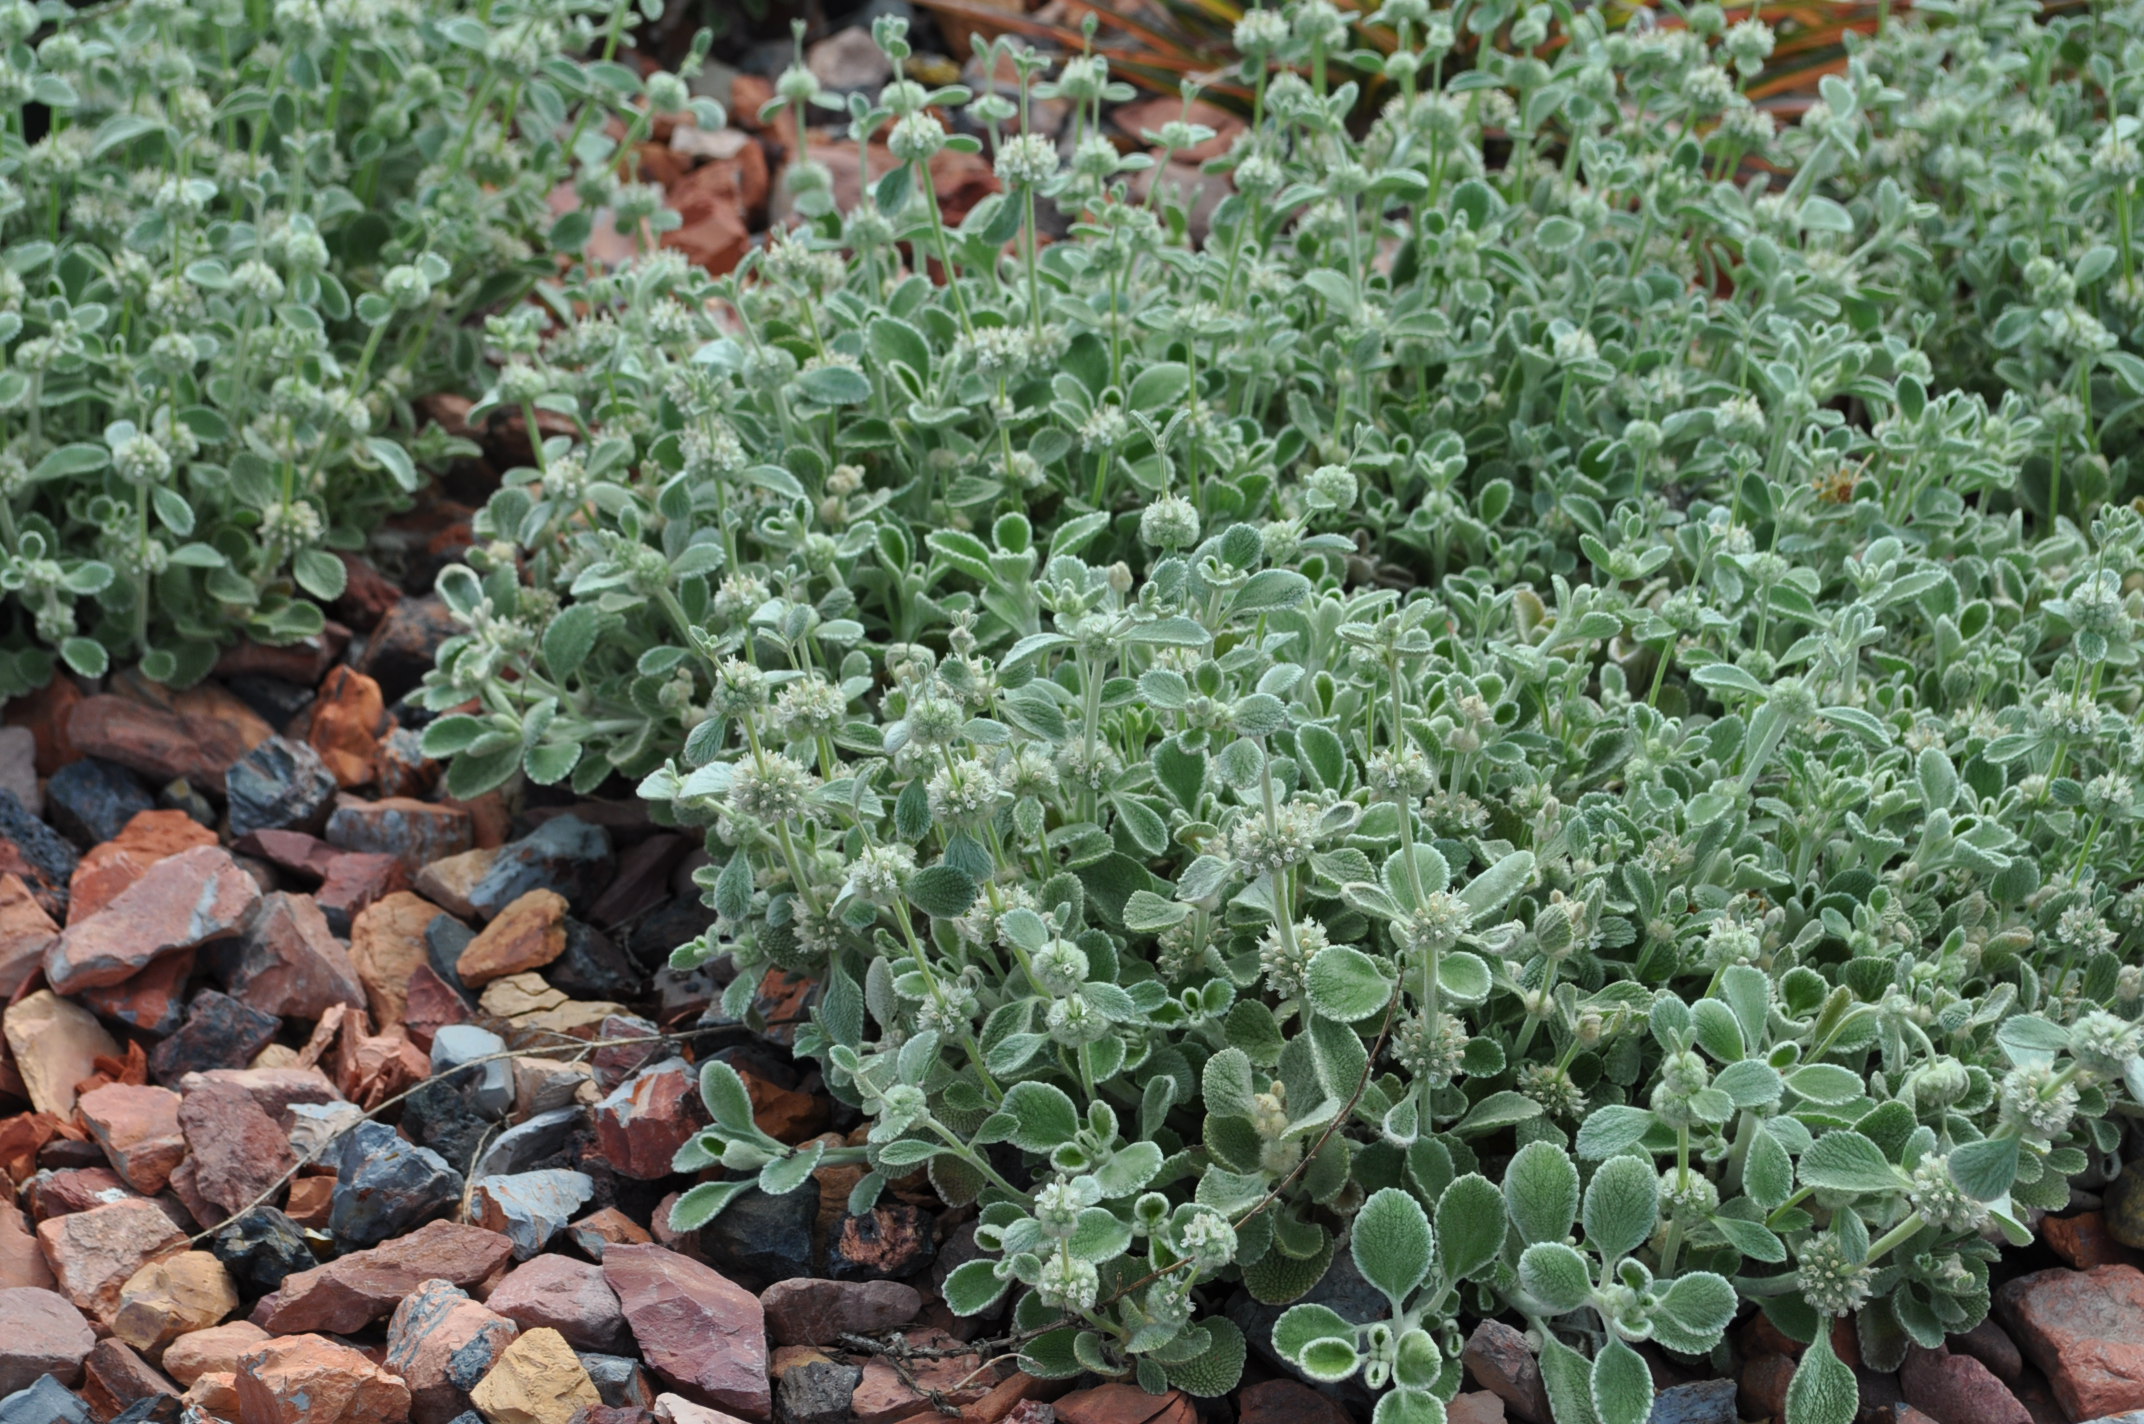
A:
1299, 1325
1409, 1406
1044, 1116
701, 1204
785, 1174
972, 1287
1470, 1226
1346, 985
1463, 977
1823, 1390
1693, 1312
1622, 1386
1556, 1275
1541, 1192
1622, 1205
1218, 1368
1392, 1243
1329, 1361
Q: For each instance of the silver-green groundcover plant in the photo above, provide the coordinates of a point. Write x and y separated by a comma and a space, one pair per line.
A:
249, 235
1498, 721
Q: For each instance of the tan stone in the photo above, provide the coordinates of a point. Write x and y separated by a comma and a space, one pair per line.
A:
539, 1380
541, 1084
449, 881
175, 1296
527, 1002
94, 1253
528, 934
386, 946
200, 1352
55, 1044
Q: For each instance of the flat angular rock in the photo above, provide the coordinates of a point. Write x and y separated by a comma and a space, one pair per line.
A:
153, 1001
565, 854
448, 882
529, 1208
138, 1128
445, 1115
528, 934
349, 718
94, 1253
355, 881
386, 947
279, 1092
431, 1006
347, 1294
21, 1262
818, 1312
619, 1380
530, 1004
188, 900
413, 832
594, 966
444, 940
219, 1032
1957, 1389
289, 963
26, 932
539, 1380
457, 1044
111, 869
316, 1128
1497, 1359
44, 1335
56, 1191
641, 1125
386, 1185
54, 1044
117, 1383
91, 800
696, 1328
45, 1402
262, 1248
761, 1239
36, 854
281, 785
2082, 1328
402, 648
596, 1232
204, 730
542, 1141
429, 1344
820, 1392
305, 1379
172, 1297
569, 1296
193, 1355
546, 1084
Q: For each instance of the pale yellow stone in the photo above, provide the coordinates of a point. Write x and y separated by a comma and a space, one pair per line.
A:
538, 1380
173, 1297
